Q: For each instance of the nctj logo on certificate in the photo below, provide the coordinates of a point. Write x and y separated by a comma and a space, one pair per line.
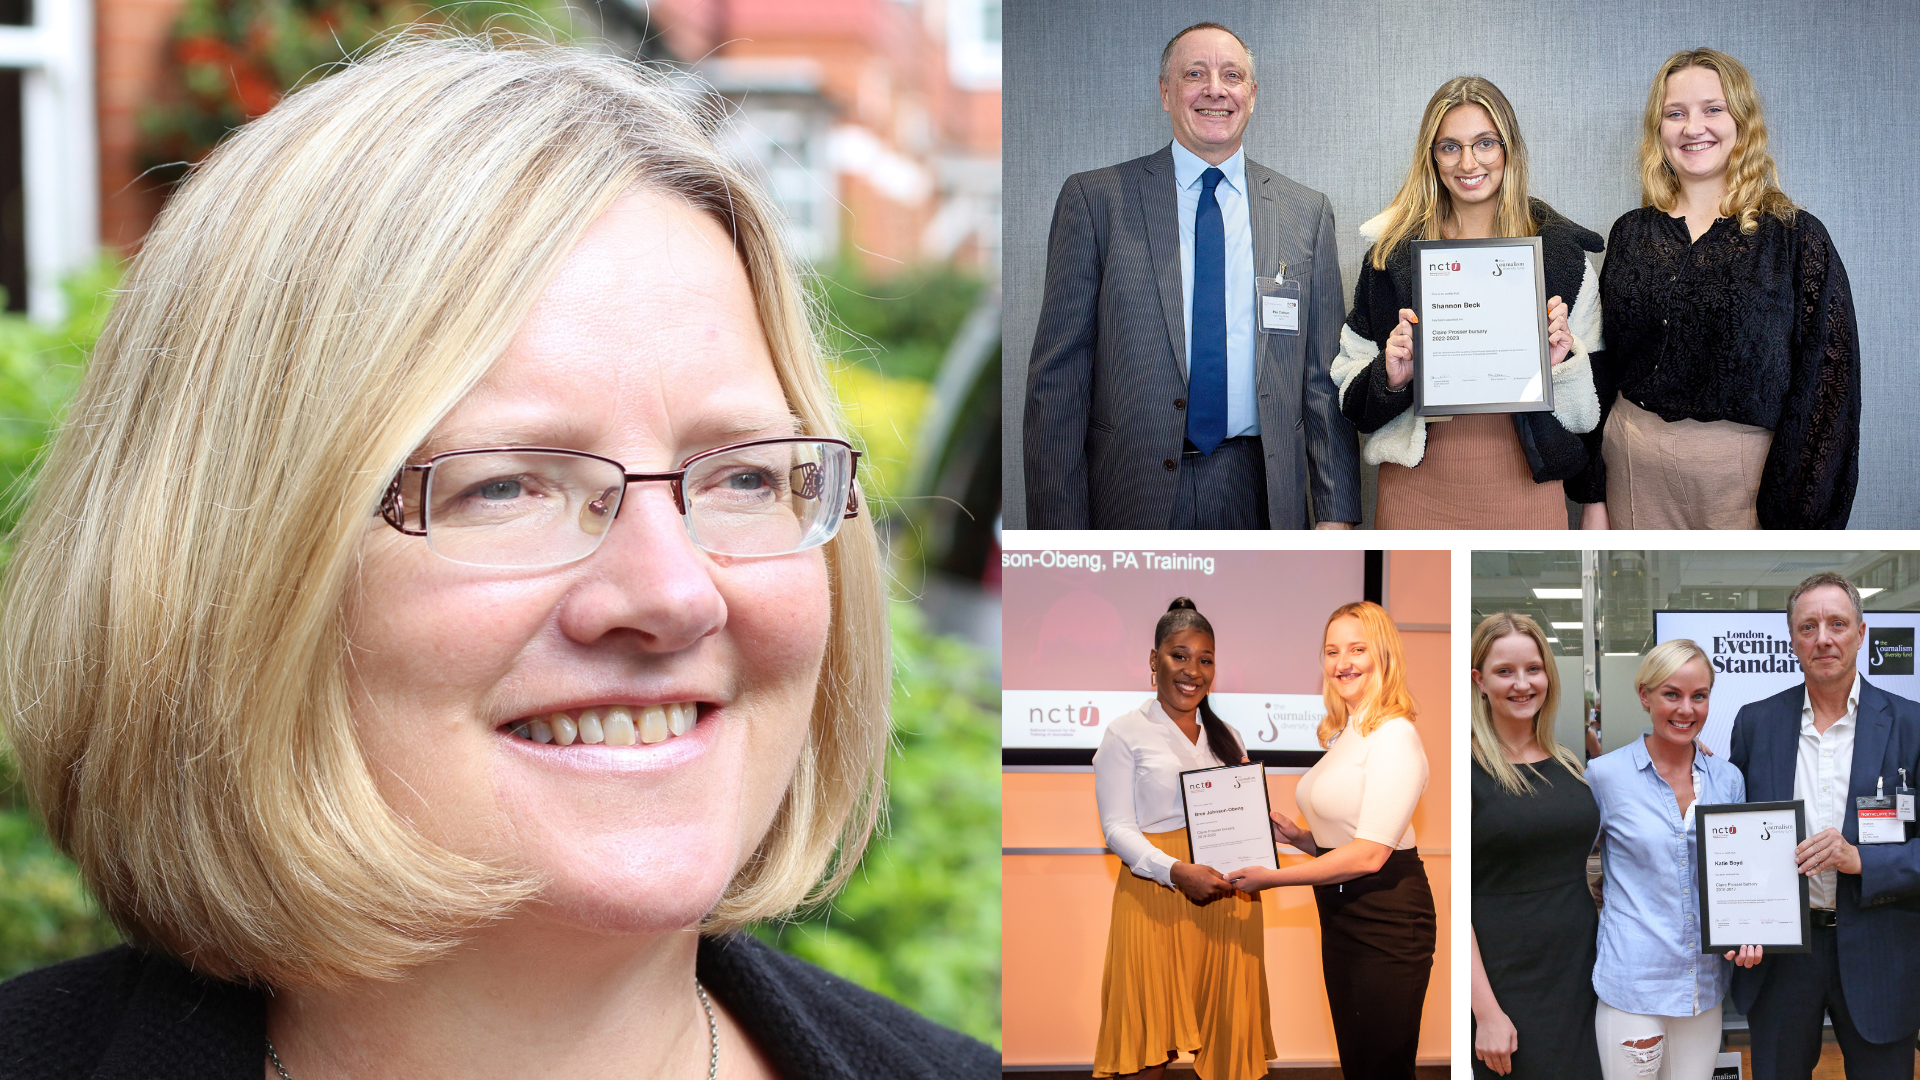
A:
1201, 785
1440, 268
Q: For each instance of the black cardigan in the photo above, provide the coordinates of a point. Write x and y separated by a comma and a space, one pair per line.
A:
1553, 452
1755, 329
124, 1014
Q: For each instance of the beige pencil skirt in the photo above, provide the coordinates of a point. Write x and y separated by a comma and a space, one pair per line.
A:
1181, 976
1688, 474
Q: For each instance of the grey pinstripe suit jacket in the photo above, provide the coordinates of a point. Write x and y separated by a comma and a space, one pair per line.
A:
1107, 384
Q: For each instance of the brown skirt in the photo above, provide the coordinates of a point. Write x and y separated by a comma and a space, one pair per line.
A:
1688, 474
1473, 476
1183, 977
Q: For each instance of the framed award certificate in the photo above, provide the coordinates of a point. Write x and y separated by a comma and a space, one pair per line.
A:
1227, 824
1751, 892
1481, 343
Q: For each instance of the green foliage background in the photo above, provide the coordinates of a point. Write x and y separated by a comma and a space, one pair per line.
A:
920, 921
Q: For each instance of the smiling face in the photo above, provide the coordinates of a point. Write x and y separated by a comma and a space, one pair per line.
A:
1348, 661
1679, 704
1182, 670
1697, 131
1827, 635
1514, 679
1469, 128
1208, 91
645, 348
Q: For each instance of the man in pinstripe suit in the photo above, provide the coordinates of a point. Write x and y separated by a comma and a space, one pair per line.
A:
1152, 401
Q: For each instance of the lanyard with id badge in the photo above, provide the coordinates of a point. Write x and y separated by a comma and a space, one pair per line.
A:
1879, 821
1903, 805
1277, 303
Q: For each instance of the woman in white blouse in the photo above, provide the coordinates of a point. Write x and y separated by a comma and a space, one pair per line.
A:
1185, 954
1376, 910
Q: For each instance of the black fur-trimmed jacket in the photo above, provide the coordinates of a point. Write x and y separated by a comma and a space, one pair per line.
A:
1553, 441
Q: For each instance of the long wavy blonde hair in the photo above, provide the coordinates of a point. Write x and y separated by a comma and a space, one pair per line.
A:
1488, 752
1753, 182
1388, 697
1423, 203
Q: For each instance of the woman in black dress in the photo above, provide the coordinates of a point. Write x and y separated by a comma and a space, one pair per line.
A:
1534, 823
1730, 327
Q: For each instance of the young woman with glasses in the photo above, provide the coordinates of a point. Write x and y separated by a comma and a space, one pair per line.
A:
1730, 324
448, 614
1468, 180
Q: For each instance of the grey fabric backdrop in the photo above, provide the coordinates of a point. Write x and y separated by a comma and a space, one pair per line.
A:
1342, 84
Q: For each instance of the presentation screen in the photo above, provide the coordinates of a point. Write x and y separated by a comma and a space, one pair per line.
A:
1752, 656
1078, 629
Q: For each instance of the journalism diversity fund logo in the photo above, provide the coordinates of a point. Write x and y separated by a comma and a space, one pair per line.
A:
1890, 650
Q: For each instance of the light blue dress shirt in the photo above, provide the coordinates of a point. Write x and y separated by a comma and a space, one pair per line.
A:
1243, 413
1650, 960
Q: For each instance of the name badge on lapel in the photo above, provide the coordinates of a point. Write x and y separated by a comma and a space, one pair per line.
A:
1277, 304
1879, 822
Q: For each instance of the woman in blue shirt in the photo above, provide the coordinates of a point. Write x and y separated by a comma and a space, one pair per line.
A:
1659, 1011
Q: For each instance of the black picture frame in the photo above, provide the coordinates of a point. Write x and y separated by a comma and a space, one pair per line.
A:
1700, 815
1266, 801
1422, 250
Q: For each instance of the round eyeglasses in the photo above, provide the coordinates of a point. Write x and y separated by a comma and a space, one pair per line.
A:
1486, 151
530, 507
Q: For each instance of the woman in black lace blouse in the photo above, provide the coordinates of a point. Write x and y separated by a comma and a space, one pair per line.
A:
1730, 328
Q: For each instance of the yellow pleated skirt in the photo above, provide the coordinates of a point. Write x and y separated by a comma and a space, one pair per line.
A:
1183, 977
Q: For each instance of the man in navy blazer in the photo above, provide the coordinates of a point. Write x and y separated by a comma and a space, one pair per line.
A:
1828, 742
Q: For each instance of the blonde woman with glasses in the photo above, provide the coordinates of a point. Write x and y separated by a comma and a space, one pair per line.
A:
1377, 921
449, 614
1468, 180
1534, 824
1730, 326
1660, 997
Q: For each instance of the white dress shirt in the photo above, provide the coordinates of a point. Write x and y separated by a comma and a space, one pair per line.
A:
1821, 775
1366, 786
1136, 779
1243, 414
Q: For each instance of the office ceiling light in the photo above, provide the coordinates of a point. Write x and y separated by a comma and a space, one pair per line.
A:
1567, 626
1557, 594
1864, 593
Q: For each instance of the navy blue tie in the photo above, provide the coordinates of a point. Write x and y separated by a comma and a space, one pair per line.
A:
1207, 364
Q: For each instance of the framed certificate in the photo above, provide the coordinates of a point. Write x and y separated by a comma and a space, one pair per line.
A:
1481, 343
1227, 824
1751, 892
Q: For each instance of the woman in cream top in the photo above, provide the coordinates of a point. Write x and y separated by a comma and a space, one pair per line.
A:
1366, 786
1377, 924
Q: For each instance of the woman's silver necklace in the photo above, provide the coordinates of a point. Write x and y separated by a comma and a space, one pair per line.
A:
713, 1040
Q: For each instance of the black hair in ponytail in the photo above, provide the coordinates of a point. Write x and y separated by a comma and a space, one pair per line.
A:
1183, 615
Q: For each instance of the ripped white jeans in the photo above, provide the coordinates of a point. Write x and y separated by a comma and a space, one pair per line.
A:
1636, 1047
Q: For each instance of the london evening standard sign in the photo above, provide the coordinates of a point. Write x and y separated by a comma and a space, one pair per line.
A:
1076, 719
1752, 657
